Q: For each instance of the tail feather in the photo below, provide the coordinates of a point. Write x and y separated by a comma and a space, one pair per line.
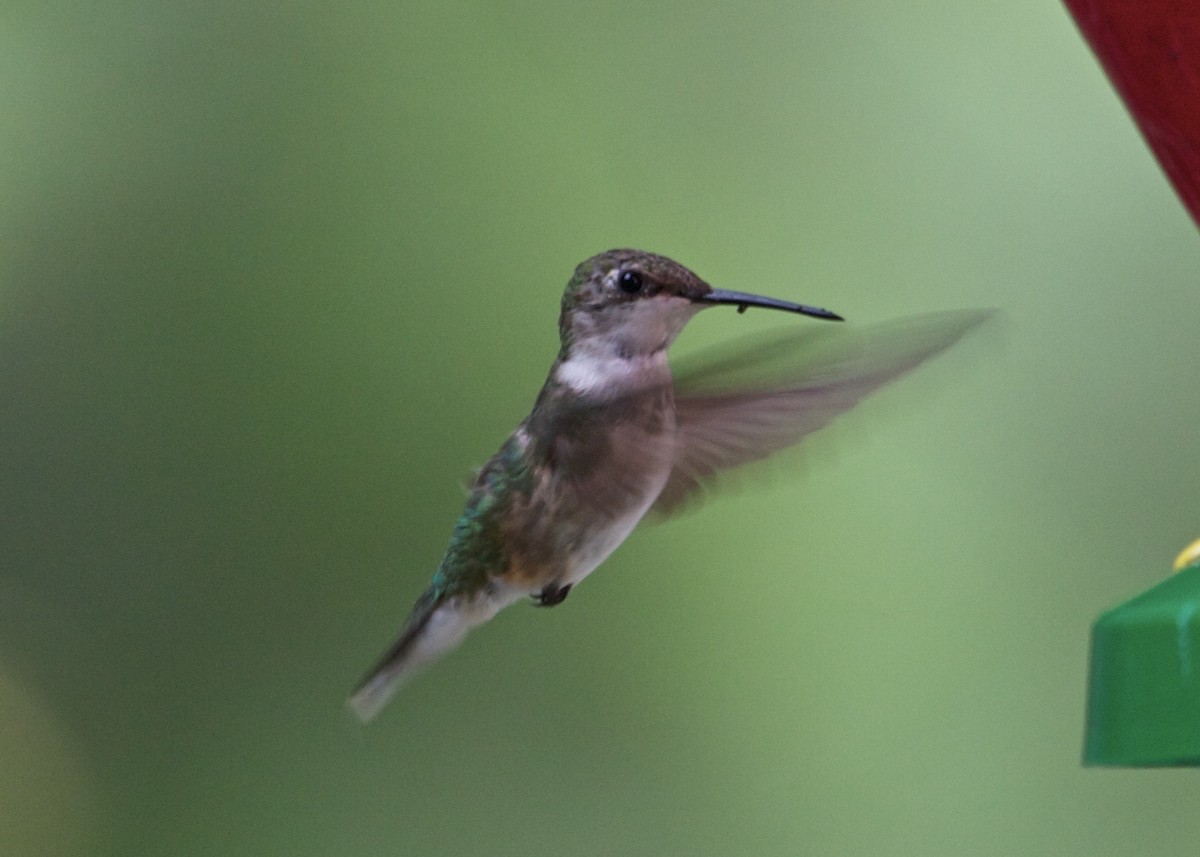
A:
435, 626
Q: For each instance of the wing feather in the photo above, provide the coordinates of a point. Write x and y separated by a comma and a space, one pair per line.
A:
744, 407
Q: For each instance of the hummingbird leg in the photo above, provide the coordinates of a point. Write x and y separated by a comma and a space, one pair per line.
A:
551, 595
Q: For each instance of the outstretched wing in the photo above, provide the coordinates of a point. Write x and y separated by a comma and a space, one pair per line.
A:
760, 400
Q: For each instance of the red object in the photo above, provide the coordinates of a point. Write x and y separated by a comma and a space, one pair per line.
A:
1151, 52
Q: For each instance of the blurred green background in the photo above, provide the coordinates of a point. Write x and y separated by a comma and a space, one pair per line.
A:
274, 278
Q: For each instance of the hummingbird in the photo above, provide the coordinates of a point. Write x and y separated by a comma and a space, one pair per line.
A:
613, 437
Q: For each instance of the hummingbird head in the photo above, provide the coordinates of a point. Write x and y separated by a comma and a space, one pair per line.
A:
633, 304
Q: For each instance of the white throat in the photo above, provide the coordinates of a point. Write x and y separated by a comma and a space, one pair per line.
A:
605, 372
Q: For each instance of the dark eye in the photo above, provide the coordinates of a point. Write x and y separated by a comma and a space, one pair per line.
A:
630, 282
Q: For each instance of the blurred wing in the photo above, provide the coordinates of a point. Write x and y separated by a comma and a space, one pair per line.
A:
759, 400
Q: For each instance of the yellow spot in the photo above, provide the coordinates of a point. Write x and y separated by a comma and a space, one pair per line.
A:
1189, 556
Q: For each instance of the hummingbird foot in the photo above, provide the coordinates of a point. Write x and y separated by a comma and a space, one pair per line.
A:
551, 595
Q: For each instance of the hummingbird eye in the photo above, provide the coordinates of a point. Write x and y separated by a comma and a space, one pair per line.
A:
630, 282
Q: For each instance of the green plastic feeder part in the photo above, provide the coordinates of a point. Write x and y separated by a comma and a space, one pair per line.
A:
1144, 687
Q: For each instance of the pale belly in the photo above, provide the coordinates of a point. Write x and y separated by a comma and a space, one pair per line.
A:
601, 542
610, 461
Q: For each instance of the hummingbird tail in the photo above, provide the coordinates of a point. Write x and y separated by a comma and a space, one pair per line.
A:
435, 626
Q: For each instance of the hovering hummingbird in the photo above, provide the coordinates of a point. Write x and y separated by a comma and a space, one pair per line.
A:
612, 437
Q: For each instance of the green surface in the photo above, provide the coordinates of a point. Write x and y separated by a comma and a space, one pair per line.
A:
1144, 689
272, 280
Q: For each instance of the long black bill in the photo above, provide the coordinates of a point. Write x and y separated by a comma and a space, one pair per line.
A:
743, 300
